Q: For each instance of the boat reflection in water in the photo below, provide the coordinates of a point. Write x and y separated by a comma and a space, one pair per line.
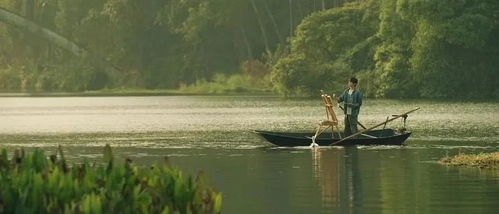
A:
338, 175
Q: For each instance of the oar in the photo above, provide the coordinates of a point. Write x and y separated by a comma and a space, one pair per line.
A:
371, 128
358, 122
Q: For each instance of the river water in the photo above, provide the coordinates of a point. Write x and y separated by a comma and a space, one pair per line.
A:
214, 134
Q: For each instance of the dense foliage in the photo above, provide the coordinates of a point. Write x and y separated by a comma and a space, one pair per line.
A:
150, 44
36, 184
327, 47
398, 48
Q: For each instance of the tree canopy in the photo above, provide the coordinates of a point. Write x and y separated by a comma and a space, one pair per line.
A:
402, 48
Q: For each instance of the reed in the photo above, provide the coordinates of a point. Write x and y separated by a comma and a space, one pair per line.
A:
482, 160
35, 183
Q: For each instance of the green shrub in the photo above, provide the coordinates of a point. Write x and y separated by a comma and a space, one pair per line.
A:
36, 184
10, 79
223, 84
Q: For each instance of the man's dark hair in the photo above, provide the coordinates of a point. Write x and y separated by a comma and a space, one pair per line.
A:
354, 80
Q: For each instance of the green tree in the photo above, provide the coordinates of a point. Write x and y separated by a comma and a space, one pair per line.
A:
455, 47
328, 47
403, 48
393, 75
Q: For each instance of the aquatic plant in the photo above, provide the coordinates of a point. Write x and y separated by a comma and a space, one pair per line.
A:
35, 183
482, 160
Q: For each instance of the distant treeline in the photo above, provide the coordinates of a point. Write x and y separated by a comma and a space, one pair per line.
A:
397, 48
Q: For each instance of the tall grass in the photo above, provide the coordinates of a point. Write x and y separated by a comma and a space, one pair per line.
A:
35, 183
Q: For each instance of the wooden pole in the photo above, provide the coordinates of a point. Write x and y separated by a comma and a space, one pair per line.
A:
373, 127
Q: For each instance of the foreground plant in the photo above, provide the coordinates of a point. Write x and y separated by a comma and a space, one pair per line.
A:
482, 160
36, 184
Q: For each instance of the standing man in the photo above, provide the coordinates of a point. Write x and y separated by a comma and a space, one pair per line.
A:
352, 100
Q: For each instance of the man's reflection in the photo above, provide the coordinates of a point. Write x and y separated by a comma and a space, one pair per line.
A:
337, 172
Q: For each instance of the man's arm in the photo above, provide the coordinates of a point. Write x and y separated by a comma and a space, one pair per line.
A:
341, 98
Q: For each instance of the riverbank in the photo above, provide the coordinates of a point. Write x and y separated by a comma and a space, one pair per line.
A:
123, 92
482, 160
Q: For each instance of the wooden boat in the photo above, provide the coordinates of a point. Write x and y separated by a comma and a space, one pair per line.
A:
368, 138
